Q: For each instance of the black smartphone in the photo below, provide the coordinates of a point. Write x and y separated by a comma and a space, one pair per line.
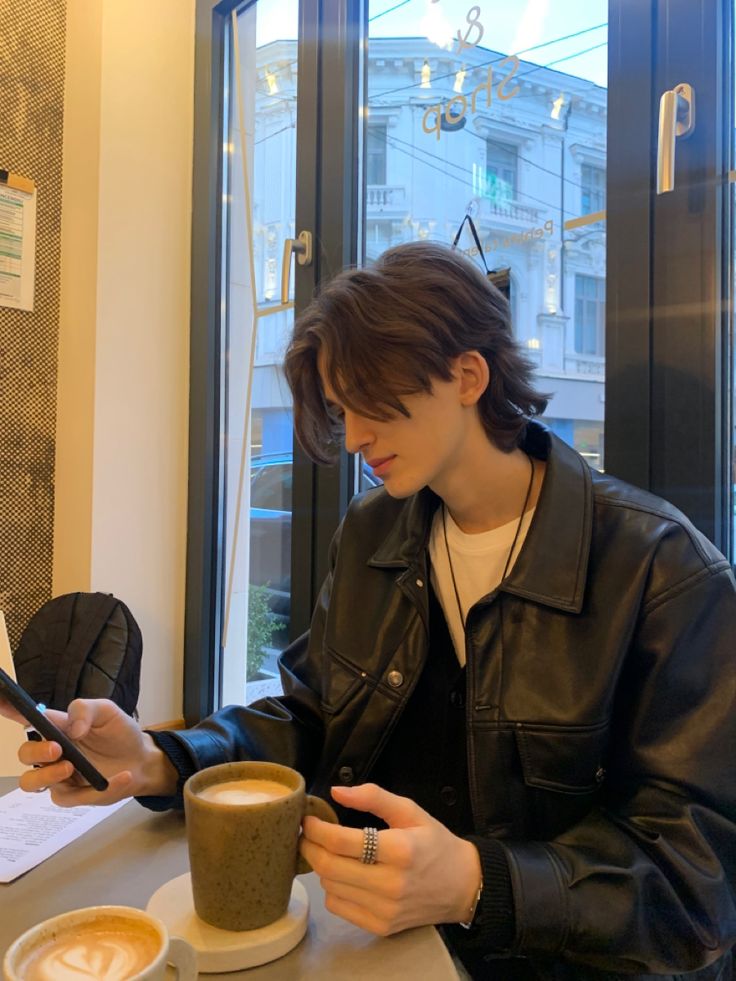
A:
22, 701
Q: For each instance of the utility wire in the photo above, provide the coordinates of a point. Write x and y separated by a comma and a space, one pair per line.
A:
555, 207
498, 143
390, 10
517, 54
411, 152
399, 105
485, 64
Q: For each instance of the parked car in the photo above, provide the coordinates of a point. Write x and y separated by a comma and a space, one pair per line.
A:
270, 528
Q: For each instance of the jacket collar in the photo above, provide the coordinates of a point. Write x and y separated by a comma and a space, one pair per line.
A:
552, 565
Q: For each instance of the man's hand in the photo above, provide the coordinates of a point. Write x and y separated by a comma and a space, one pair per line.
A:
423, 873
112, 741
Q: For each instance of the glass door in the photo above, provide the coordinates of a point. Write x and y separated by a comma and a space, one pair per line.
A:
255, 143
260, 238
499, 111
691, 264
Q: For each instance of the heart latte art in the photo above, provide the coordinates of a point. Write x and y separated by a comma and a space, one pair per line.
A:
103, 950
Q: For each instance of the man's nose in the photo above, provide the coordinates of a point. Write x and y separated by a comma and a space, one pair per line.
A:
357, 432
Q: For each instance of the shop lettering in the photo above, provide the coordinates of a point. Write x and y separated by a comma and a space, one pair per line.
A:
457, 107
517, 238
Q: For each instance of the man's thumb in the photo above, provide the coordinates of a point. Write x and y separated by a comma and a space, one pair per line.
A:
397, 812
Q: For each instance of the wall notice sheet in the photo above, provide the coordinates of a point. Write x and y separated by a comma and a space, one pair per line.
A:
32, 828
17, 247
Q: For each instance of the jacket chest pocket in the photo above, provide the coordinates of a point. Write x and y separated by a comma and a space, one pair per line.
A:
563, 759
341, 681
563, 771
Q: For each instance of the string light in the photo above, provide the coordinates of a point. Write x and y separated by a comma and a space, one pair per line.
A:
426, 76
459, 80
273, 85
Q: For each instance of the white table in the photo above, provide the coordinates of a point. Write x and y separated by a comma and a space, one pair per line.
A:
125, 858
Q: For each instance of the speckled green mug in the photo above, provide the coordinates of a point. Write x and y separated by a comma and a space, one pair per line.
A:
243, 857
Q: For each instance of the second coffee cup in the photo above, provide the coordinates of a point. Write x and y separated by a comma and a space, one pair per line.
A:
243, 823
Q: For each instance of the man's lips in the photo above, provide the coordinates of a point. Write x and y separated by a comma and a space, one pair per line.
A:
378, 462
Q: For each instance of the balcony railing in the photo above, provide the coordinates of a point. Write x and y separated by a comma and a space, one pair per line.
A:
512, 211
380, 197
588, 365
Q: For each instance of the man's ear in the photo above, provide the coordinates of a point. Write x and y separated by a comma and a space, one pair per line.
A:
471, 368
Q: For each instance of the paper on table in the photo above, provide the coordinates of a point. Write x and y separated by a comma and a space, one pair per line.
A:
32, 828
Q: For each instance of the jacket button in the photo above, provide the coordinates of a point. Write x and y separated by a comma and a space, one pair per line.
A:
449, 796
600, 775
457, 699
395, 679
345, 774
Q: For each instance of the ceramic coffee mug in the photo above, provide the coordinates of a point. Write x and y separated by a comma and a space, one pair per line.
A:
243, 824
100, 943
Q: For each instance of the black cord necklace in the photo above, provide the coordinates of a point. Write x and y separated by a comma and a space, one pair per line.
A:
511, 550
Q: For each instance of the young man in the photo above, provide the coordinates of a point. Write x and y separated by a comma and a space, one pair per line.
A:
530, 661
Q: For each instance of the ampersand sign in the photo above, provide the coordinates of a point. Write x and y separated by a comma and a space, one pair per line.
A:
472, 18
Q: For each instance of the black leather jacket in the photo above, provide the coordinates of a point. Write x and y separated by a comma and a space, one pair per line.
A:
600, 713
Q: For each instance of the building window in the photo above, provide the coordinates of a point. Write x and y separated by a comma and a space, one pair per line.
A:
590, 306
501, 168
375, 164
593, 189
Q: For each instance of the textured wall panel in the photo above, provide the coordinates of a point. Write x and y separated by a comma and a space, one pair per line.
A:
32, 36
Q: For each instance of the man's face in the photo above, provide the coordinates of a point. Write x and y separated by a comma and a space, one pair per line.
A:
407, 453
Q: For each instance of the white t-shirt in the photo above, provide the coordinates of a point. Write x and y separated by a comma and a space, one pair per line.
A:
478, 562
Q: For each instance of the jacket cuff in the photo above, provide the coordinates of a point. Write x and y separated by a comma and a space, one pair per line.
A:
493, 925
540, 899
184, 763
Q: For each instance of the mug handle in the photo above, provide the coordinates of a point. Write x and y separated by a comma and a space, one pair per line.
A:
183, 958
317, 807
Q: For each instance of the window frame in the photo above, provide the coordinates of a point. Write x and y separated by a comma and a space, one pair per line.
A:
592, 189
657, 435
599, 328
491, 141
370, 152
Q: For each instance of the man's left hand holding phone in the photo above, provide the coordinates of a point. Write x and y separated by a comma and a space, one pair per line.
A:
93, 737
36, 716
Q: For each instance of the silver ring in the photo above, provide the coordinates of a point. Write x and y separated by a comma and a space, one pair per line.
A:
370, 846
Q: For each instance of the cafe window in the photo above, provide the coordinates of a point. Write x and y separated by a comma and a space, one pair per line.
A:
489, 112
590, 310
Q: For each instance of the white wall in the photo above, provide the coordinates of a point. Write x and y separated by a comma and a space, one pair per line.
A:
132, 467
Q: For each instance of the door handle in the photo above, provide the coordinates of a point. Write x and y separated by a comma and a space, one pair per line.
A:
676, 119
302, 245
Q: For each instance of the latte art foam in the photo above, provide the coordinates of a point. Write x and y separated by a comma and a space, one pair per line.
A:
245, 792
108, 951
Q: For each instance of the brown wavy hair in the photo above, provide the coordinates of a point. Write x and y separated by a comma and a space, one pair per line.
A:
391, 329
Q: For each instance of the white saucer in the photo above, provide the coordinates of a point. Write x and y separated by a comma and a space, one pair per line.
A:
228, 950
